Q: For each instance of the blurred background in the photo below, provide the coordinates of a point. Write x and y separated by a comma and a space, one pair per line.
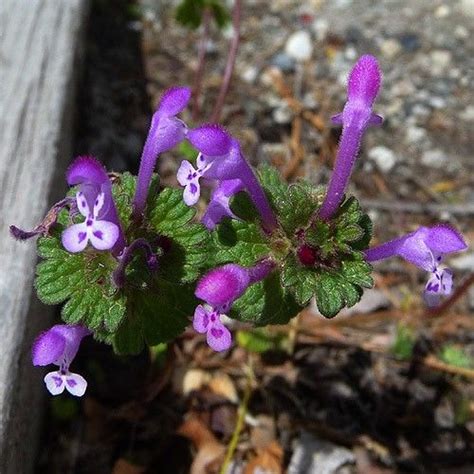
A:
386, 386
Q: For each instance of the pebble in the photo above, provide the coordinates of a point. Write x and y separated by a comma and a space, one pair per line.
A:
442, 11
283, 114
390, 48
468, 114
461, 32
440, 59
249, 74
467, 7
284, 62
384, 158
463, 262
320, 28
435, 158
414, 135
410, 42
299, 46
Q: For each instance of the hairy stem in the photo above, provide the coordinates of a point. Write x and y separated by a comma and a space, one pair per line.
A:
197, 89
229, 68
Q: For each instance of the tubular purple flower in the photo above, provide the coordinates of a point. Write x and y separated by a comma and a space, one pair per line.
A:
219, 288
219, 205
221, 159
59, 345
166, 131
95, 202
363, 86
425, 248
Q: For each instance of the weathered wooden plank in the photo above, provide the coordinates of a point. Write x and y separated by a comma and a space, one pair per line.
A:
39, 42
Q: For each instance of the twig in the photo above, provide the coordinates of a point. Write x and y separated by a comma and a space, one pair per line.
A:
229, 68
419, 208
240, 420
439, 310
296, 149
436, 364
206, 21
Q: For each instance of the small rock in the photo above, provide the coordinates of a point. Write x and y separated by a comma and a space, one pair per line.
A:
463, 262
468, 114
440, 59
384, 158
437, 102
444, 414
390, 48
442, 11
415, 134
410, 42
283, 114
284, 62
320, 28
461, 32
249, 74
467, 7
315, 456
350, 53
299, 46
436, 158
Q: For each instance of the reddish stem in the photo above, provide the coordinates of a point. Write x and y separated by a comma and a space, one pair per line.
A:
197, 89
229, 68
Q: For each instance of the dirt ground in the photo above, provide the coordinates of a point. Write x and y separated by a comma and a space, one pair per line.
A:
384, 387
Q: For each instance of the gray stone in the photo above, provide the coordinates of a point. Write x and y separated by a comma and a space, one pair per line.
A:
284, 62
315, 456
299, 46
384, 158
39, 42
390, 48
435, 158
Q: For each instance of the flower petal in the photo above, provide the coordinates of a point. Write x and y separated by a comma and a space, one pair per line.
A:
174, 100
75, 384
185, 173
98, 204
364, 80
201, 319
219, 337
443, 238
54, 383
210, 139
86, 169
168, 134
191, 193
82, 205
103, 235
74, 238
48, 347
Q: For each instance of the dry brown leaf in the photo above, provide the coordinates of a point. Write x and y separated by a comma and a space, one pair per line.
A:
268, 460
222, 384
122, 466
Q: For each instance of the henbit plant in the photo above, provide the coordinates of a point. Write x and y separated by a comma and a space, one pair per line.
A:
124, 253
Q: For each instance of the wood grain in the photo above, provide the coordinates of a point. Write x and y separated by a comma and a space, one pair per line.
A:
39, 42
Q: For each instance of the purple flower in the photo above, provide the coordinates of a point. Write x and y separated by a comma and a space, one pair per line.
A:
221, 159
166, 131
219, 205
59, 346
101, 226
219, 288
363, 86
425, 248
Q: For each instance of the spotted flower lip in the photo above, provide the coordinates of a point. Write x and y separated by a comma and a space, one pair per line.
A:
363, 85
219, 288
425, 248
59, 345
95, 202
221, 159
166, 131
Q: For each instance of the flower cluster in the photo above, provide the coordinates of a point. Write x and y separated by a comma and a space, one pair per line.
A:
134, 244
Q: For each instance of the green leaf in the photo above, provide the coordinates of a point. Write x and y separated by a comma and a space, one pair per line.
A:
402, 347
265, 303
258, 340
220, 13
187, 250
84, 279
155, 316
456, 356
238, 242
189, 13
